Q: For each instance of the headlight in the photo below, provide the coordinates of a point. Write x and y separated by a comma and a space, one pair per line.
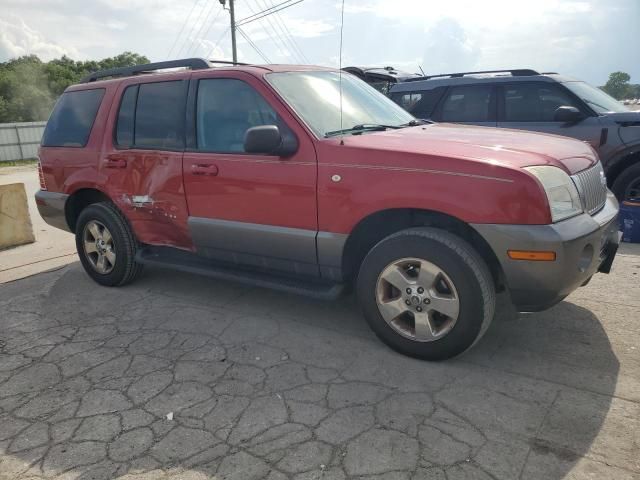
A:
561, 192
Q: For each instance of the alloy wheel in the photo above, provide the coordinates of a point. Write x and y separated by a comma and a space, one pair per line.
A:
417, 299
99, 247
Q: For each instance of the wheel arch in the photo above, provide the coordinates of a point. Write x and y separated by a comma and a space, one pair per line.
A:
78, 201
376, 226
624, 160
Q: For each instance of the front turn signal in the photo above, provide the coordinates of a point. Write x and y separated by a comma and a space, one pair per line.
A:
532, 255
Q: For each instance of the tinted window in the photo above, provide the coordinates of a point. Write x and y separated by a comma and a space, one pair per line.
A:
467, 104
159, 118
534, 102
72, 118
126, 117
220, 123
420, 104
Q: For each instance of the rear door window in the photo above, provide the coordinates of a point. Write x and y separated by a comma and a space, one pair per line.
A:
534, 102
126, 117
159, 119
152, 116
469, 103
72, 118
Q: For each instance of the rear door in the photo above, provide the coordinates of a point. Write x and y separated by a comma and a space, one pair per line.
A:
532, 106
249, 209
141, 163
468, 104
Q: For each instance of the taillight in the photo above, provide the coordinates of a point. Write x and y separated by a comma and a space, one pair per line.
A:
43, 185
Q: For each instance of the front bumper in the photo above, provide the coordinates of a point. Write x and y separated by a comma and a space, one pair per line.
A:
51, 206
583, 244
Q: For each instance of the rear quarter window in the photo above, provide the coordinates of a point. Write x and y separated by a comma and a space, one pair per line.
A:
72, 118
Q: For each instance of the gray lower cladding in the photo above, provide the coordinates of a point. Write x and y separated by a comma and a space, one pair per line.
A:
581, 244
51, 207
294, 250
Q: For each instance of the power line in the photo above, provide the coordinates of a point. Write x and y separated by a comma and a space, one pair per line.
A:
218, 41
280, 43
287, 34
193, 27
184, 24
269, 11
253, 45
205, 23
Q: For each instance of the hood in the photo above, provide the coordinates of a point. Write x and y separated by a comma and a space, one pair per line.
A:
625, 119
495, 146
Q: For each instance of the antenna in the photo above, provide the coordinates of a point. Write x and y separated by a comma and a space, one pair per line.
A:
421, 70
340, 72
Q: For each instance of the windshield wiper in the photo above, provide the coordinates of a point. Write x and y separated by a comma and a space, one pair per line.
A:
363, 127
416, 121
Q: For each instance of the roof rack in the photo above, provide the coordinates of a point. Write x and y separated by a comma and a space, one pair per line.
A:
521, 72
191, 63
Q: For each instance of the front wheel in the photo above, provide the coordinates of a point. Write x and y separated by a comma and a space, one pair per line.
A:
106, 245
426, 293
627, 185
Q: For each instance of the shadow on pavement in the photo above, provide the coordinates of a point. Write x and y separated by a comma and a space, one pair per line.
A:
264, 385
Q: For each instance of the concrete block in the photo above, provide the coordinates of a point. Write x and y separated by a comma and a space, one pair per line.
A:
15, 221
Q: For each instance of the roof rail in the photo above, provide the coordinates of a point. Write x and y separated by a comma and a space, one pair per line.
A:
191, 63
521, 72
227, 62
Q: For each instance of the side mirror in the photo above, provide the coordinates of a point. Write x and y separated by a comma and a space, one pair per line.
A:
568, 115
267, 140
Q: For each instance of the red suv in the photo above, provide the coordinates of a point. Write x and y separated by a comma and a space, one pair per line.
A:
308, 180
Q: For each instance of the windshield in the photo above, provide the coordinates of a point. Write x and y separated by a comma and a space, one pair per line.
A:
596, 98
315, 96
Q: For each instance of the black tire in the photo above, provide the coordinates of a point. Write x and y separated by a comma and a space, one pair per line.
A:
125, 245
461, 263
628, 177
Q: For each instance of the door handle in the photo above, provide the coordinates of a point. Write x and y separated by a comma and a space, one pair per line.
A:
115, 161
204, 169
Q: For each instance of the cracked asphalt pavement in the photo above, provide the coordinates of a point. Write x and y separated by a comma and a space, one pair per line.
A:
266, 385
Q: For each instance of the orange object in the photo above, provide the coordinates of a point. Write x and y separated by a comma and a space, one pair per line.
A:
532, 255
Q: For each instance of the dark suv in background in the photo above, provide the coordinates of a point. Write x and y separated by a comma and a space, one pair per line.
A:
543, 102
381, 78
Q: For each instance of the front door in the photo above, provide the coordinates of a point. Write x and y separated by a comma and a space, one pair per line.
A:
532, 106
248, 209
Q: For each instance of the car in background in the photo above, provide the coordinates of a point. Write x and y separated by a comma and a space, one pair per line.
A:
381, 78
543, 102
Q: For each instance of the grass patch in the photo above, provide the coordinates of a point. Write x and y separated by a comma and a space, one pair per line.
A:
19, 163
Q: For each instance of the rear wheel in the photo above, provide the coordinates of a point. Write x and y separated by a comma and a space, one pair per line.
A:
627, 185
106, 245
426, 293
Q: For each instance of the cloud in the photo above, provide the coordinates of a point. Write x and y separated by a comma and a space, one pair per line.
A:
17, 39
448, 48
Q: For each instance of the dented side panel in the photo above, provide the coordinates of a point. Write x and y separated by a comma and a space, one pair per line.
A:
150, 192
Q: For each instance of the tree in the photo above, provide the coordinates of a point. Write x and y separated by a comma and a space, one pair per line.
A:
29, 87
618, 85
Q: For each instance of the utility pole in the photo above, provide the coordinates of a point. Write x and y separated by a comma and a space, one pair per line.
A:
233, 28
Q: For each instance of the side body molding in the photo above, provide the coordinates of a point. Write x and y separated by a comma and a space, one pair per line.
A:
271, 247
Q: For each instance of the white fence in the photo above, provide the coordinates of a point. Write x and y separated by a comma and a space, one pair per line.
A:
19, 141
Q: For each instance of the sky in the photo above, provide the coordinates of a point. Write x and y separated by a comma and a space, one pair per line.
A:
587, 39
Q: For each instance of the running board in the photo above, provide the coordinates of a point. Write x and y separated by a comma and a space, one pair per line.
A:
191, 263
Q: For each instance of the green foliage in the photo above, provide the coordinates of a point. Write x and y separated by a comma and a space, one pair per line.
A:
30, 87
618, 85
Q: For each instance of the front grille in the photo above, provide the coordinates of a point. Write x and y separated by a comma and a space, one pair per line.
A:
592, 187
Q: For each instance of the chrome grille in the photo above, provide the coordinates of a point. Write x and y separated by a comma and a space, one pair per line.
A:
592, 187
